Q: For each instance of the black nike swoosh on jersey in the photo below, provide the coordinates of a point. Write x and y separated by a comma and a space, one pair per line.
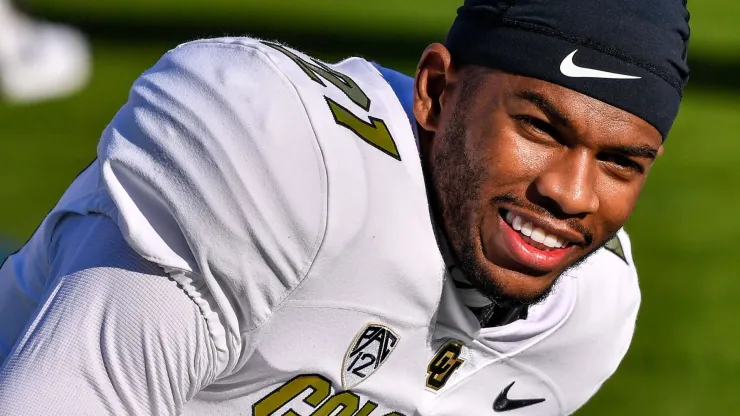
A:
504, 404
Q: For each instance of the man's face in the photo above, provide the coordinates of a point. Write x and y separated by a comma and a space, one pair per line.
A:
529, 177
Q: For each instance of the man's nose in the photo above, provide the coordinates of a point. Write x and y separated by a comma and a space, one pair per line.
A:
570, 183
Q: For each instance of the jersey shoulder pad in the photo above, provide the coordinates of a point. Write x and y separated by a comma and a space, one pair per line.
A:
215, 169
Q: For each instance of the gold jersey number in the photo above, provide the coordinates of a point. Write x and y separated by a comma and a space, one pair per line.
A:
375, 132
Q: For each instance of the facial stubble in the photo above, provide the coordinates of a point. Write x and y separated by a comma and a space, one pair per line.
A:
457, 178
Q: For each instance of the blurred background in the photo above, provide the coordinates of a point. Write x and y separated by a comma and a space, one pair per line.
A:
685, 358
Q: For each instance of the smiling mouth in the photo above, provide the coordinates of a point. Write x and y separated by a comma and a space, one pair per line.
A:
531, 245
533, 235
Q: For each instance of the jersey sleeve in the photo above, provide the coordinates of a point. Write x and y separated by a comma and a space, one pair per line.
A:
112, 334
215, 171
19, 297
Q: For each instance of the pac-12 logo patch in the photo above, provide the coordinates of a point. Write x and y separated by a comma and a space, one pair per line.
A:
370, 348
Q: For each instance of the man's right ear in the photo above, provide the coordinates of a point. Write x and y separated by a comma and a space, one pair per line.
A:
434, 76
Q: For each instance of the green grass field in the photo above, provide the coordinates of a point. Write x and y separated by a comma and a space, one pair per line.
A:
685, 358
714, 21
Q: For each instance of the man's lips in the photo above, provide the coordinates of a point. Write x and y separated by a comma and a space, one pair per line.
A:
541, 250
557, 229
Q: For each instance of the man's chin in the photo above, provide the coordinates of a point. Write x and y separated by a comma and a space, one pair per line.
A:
524, 289
510, 287
514, 288
506, 287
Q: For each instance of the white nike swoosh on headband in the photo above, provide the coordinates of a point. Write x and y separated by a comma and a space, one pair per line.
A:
570, 69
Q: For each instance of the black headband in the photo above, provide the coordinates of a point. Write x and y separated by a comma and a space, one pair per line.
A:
628, 53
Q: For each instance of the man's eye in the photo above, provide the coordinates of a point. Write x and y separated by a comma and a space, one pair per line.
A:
536, 124
622, 162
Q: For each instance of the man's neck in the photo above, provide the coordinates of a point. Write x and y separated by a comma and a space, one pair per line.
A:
486, 311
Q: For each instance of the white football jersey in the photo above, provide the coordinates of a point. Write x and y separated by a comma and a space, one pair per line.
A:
550, 363
287, 199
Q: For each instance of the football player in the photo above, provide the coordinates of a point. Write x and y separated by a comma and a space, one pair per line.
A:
39, 60
264, 233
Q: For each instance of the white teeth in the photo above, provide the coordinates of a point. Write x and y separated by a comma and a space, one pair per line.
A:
538, 235
517, 223
551, 241
527, 229
509, 217
535, 233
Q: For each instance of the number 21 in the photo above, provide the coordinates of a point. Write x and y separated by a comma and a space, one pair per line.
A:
376, 132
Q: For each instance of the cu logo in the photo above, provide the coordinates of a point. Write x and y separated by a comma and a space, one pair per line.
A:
444, 363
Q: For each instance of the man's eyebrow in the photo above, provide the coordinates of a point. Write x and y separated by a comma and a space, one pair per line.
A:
546, 106
640, 150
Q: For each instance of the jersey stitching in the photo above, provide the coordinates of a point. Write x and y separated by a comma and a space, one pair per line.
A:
355, 308
179, 276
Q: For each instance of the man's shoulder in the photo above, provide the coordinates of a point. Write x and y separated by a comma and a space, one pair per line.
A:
215, 169
222, 160
229, 60
213, 136
609, 278
238, 94
597, 333
607, 296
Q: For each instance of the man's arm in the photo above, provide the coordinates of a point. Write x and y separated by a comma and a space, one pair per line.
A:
18, 300
112, 335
